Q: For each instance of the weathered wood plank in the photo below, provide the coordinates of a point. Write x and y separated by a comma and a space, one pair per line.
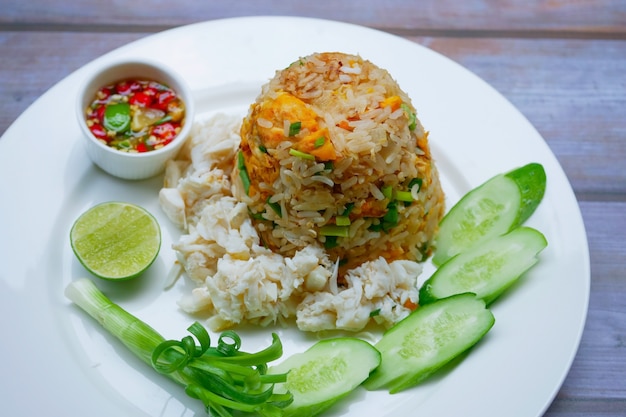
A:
597, 17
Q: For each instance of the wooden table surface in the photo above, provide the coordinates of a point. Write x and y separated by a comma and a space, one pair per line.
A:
562, 63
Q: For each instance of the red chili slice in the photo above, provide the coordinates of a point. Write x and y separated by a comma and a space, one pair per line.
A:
99, 132
151, 91
163, 98
100, 113
103, 94
135, 85
166, 132
123, 87
142, 147
141, 99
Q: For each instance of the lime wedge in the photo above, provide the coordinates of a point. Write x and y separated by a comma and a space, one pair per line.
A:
116, 240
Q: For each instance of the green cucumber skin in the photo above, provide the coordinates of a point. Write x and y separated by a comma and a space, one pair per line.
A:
359, 357
518, 249
403, 366
529, 181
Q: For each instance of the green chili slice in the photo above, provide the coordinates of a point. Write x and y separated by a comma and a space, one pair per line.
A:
123, 144
117, 117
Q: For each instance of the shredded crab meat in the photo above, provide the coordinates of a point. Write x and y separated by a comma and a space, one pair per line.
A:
237, 280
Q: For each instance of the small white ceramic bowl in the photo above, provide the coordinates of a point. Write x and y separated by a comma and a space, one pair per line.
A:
133, 166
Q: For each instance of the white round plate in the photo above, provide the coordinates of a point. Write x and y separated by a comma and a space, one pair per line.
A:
58, 361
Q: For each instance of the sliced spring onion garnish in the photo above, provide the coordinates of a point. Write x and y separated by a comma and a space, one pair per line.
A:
399, 195
243, 172
390, 219
342, 221
319, 142
404, 196
330, 242
334, 230
294, 128
275, 207
256, 216
300, 154
387, 191
348, 210
414, 182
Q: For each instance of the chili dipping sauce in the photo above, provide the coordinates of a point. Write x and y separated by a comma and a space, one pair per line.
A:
136, 115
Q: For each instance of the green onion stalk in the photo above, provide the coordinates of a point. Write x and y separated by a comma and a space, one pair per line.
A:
226, 379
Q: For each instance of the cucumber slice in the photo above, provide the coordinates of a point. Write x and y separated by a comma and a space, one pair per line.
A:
486, 270
328, 371
496, 207
428, 339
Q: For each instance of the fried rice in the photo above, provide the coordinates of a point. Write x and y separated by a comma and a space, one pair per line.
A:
318, 205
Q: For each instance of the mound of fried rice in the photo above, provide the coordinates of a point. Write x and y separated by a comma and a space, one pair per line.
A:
318, 205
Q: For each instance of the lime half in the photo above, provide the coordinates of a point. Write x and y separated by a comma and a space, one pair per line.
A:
116, 240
